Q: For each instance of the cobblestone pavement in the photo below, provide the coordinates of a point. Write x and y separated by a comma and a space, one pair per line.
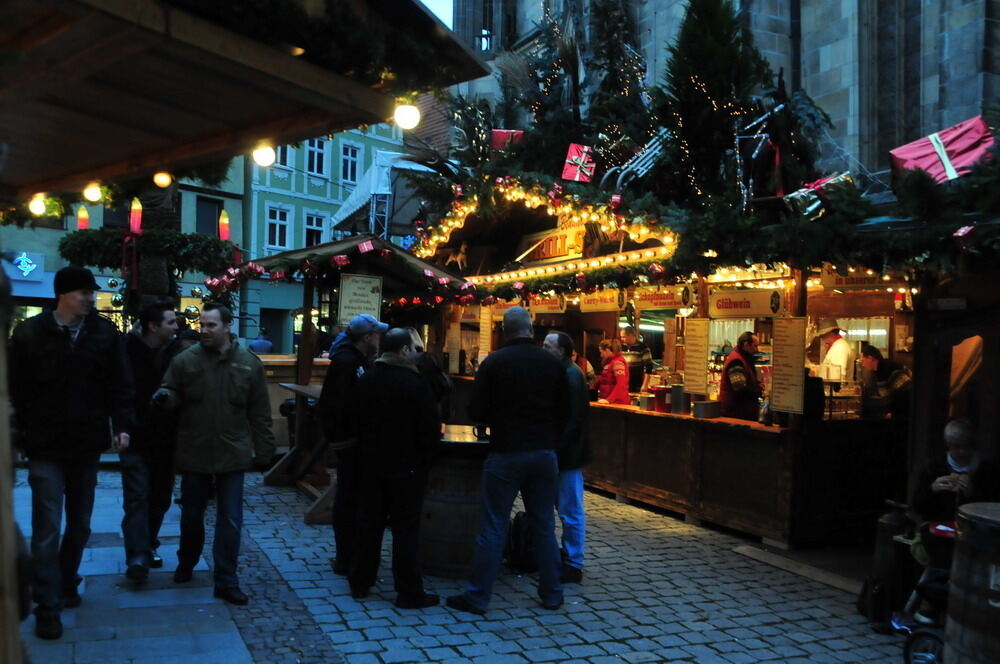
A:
655, 590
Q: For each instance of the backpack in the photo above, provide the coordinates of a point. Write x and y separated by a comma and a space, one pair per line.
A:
519, 552
874, 603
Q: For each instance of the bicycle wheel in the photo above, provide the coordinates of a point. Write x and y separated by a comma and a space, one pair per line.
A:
924, 646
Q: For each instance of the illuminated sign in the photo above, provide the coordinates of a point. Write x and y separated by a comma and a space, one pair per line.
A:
556, 245
746, 304
609, 299
676, 297
26, 266
830, 278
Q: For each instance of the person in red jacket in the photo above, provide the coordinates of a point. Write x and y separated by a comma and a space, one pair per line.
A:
740, 389
612, 384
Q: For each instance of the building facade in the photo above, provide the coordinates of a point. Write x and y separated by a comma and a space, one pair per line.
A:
189, 207
290, 205
886, 71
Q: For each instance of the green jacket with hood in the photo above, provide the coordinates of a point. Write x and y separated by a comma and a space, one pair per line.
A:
224, 414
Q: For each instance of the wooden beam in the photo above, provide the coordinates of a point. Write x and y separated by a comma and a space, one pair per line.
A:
231, 142
205, 36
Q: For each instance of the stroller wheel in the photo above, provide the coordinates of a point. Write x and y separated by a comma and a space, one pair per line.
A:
924, 646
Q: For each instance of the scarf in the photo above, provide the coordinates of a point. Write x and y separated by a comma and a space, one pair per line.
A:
397, 360
972, 467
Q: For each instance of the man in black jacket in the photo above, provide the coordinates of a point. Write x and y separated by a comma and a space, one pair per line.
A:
338, 407
71, 387
394, 454
521, 393
147, 465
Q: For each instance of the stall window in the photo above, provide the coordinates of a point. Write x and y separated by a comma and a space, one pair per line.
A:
875, 331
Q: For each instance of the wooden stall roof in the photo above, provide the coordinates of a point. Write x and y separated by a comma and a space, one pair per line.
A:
415, 266
104, 89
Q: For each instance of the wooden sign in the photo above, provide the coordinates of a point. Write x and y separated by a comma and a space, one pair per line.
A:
359, 294
696, 355
501, 306
555, 304
559, 244
860, 279
675, 297
470, 314
788, 361
747, 304
453, 346
608, 299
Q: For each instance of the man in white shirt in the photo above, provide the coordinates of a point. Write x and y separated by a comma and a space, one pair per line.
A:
835, 352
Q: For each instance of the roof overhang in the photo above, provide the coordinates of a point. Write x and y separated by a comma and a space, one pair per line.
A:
111, 89
327, 250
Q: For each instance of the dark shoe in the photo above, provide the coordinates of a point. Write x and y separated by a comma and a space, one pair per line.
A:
551, 607
421, 601
136, 572
233, 595
183, 574
360, 592
340, 568
155, 561
72, 599
460, 603
571, 574
48, 627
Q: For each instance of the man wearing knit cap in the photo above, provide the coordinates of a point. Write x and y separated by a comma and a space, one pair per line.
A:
71, 389
350, 356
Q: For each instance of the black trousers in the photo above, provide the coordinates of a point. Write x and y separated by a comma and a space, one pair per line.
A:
148, 486
395, 500
345, 506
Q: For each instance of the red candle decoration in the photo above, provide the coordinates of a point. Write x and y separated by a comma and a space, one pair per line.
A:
443, 281
135, 217
365, 247
341, 260
82, 219
224, 226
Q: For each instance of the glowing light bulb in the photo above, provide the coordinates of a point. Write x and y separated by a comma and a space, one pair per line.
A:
163, 179
264, 155
407, 116
92, 192
37, 205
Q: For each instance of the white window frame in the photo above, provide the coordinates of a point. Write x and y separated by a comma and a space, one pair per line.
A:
280, 223
323, 221
288, 161
316, 149
358, 159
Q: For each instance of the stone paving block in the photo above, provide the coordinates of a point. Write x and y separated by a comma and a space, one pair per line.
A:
172, 597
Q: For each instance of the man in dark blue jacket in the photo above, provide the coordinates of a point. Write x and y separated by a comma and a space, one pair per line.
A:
394, 453
521, 393
574, 453
71, 389
350, 357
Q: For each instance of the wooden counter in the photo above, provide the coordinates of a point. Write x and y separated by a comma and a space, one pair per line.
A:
761, 480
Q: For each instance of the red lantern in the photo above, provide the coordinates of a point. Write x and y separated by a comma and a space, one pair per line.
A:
616, 201
278, 274
489, 300
655, 270
417, 300
581, 280
365, 247
429, 273
467, 285
401, 301
519, 285
467, 299
443, 281
438, 299
340, 260
309, 268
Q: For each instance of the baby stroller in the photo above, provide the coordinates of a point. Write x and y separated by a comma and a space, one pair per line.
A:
922, 619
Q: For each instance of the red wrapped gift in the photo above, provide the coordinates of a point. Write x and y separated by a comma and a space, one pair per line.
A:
579, 165
502, 139
947, 154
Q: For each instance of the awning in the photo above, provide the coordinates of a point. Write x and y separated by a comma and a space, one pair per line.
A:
105, 89
378, 179
413, 276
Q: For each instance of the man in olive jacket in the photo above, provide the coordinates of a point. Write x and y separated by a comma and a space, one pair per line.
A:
224, 428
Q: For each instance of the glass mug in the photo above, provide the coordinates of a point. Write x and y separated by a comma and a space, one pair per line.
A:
481, 431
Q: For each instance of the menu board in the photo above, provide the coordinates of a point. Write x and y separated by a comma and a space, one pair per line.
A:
602, 300
359, 294
788, 361
485, 331
696, 356
453, 347
746, 303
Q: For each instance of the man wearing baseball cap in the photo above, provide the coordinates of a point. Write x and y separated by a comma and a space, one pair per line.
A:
71, 388
350, 357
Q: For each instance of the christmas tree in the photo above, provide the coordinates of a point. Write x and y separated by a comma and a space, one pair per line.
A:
713, 72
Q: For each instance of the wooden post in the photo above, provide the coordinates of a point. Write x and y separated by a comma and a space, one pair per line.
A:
702, 309
10, 619
799, 306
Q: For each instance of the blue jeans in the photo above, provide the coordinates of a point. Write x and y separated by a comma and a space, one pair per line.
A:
535, 474
55, 564
228, 522
570, 508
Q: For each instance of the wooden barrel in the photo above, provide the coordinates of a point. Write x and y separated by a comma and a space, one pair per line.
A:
450, 521
973, 630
